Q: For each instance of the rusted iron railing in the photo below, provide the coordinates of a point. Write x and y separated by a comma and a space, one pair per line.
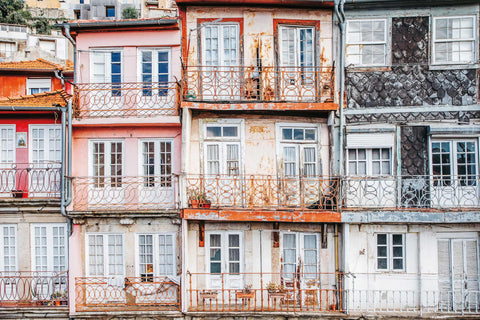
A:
35, 288
274, 84
285, 292
125, 99
30, 180
140, 193
412, 192
125, 294
257, 191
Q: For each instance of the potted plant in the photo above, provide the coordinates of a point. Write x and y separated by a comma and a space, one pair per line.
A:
18, 194
275, 290
59, 297
194, 199
246, 293
204, 202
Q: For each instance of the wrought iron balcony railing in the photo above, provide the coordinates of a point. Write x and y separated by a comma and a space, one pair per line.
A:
30, 180
126, 99
126, 294
412, 192
250, 84
269, 192
125, 193
35, 288
264, 292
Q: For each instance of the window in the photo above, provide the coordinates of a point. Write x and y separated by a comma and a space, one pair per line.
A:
45, 144
107, 163
454, 161
155, 68
390, 251
107, 67
224, 252
157, 163
299, 150
297, 46
76, 14
35, 85
7, 144
222, 148
376, 161
110, 12
220, 43
49, 249
454, 39
8, 247
7, 48
47, 45
105, 255
300, 248
367, 42
156, 255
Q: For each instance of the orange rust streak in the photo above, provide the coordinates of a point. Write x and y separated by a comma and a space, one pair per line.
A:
261, 215
326, 106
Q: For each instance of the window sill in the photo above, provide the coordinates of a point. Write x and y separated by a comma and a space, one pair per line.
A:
453, 66
369, 68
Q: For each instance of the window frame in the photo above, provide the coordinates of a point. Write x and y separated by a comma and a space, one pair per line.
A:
47, 144
389, 256
107, 175
300, 250
297, 51
224, 247
2, 246
386, 42
13, 141
157, 163
49, 245
155, 71
105, 236
433, 41
34, 83
155, 253
220, 48
106, 61
369, 161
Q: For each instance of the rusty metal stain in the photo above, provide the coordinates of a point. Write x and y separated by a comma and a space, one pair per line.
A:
259, 129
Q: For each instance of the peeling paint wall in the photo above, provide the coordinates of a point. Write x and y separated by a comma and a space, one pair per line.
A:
258, 31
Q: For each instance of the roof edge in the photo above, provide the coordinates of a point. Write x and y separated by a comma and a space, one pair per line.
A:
89, 24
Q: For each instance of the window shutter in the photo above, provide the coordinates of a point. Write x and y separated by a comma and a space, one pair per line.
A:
7, 145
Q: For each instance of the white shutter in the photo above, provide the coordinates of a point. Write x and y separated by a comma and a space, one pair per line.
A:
370, 140
100, 71
7, 144
8, 247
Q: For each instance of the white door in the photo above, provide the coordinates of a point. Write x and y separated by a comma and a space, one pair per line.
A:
46, 157
458, 274
454, 174
7, 160
224, 260
220, 75
297, 73
107, 186
106, 97
157, 187
8, 263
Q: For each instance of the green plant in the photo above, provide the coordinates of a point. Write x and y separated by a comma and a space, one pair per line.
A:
129, 13
273, 287
247, 288
59, 295
12, 11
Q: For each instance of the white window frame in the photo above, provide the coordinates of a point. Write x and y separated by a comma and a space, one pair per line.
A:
222, 142
454, 176
156, 252
300, 250
300, 146
224, 268
389, 257
2, 246
369, 161
105, 254
39, 83
220, 41
49, 245
360, 44
107, 173
296, 29
8, 140
5, 44
474, 40
48, 40
47, 142
107, 75
157, 142
155, 52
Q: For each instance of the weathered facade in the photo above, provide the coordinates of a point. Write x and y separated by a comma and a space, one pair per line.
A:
410, 191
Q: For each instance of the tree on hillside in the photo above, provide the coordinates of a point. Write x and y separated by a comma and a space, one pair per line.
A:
129, 13
11, 11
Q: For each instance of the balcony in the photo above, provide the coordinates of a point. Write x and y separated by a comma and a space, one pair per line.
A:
255, 84
33, 289
263, 198
264, 292
126, 99
125, 193
126, 294
30, 180
412, 193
